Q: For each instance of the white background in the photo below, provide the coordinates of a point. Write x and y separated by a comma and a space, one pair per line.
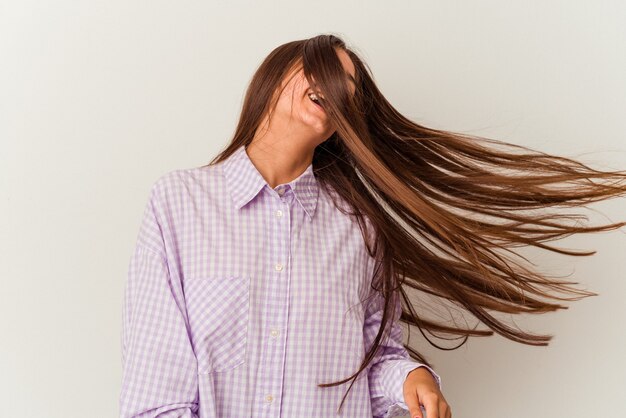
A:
97, 99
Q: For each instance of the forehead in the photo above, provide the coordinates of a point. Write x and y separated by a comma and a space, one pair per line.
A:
346, 61
348, 66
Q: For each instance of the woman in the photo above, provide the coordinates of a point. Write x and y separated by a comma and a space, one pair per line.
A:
265, 280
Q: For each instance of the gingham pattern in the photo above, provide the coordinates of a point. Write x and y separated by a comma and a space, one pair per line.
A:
241, 297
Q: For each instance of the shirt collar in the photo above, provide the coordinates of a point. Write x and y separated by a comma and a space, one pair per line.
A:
245, 182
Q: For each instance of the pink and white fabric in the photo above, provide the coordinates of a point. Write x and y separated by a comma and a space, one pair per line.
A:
240, 298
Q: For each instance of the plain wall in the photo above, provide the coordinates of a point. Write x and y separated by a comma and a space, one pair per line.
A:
98, 99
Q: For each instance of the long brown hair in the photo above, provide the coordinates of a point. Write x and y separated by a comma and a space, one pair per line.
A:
444, 206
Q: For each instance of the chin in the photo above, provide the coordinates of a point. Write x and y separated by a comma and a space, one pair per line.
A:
315, 123
321, 128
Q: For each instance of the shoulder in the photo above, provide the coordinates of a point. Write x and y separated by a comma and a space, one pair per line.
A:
177, 192
182, 182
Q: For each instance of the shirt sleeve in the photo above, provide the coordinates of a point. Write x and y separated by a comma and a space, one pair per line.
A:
392, 363
159, 367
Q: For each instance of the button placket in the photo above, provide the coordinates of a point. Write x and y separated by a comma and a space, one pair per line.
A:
277, 299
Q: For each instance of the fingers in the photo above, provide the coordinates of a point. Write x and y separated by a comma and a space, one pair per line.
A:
412, 401
431, 404
444, 409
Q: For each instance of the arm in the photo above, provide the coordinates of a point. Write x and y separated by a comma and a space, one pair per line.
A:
392, 363
158, 362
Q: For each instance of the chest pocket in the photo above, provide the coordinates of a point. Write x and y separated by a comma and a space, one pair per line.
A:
218, 309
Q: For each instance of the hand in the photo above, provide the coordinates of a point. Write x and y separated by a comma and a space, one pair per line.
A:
420, 387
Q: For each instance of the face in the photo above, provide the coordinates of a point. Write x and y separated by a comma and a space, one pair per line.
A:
306, 113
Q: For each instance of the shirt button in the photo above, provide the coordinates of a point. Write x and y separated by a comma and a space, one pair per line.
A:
274, 333
281, 191
279, 213
269, 398
279, 267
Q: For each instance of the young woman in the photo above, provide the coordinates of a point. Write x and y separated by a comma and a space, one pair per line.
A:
264, 281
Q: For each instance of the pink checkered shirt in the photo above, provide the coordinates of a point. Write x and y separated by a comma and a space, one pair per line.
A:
240, 298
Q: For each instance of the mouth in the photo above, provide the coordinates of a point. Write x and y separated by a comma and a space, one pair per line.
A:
317, 99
